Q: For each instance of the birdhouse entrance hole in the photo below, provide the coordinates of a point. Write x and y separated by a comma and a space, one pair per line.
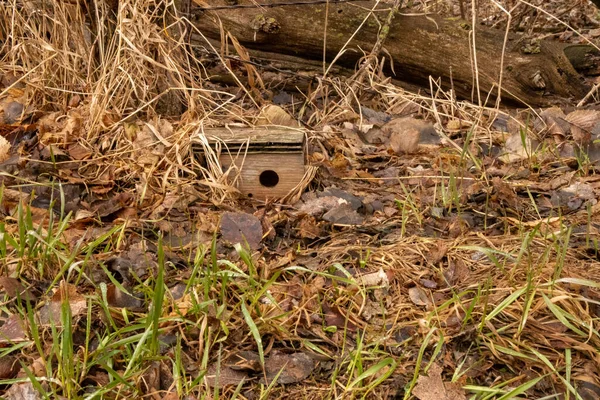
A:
270, 160
268, 178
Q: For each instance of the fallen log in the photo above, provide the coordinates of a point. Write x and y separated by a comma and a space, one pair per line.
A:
420, 47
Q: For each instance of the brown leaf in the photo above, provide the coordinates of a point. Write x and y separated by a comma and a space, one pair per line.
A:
582, 123
343, 214
9, 367
275, 115
241, 228
333, 317
118, 298
581, 136
4, 149
13, 112
78, 152
378, 278
432, 387
405, 133
406, 142
22, 391
585, 119
13, 330
171, 396
419, 296
51, 312
554, 118
288, 368
308, 228
244, 360
15, 289
223, 376
436, 254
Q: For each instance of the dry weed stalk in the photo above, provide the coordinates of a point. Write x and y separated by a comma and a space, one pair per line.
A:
122, 61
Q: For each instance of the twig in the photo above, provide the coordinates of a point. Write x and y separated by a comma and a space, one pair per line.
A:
383, 34
590, 94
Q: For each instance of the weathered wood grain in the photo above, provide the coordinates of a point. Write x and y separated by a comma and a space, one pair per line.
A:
417, 48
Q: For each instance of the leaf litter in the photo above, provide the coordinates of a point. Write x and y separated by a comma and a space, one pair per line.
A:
434, 233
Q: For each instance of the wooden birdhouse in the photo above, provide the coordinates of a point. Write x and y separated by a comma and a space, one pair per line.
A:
270, 160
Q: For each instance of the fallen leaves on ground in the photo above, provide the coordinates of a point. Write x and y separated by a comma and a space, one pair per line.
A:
432, 387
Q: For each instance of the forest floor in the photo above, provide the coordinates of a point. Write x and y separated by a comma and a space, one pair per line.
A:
436, 249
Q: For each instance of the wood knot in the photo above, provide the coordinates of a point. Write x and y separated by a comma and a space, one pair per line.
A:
538, 81
260, 23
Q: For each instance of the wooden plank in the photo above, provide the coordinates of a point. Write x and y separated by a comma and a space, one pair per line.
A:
265, 176
256, 136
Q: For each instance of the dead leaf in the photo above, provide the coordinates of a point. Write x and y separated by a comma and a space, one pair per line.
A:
343, 214
333, 317
171, 396
22, 391
418, 296
517, 148
582, 123
436, 254
9, 367
432, 387
378, 278
4, 149
585, 119
223, 376
308, 228
77, 152
405, 133
241, 228
15, 289
406, 142
51, 312
244, 360
117, 298
288, 368
13, 330
13, 112
275, 115
554, 118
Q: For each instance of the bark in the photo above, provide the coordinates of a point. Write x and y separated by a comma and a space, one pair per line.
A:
420, 47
